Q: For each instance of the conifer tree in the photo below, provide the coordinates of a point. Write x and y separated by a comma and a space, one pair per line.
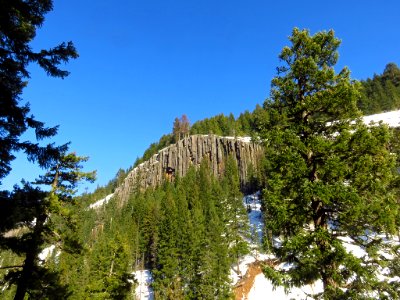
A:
18, 23
176, 128
234, 215
328, 174
28, 207
167, 273
49, 221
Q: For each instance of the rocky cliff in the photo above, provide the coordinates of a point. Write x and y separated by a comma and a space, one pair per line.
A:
190, 151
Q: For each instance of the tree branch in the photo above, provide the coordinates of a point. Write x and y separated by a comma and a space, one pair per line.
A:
10, 267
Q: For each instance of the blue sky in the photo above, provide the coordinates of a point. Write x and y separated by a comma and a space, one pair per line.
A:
143, 63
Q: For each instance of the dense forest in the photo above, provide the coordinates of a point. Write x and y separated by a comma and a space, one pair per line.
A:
188, 233
325, 177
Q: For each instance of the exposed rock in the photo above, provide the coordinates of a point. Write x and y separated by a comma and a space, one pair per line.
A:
177, 159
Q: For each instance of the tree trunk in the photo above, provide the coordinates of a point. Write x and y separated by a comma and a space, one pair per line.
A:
112, 266
22, 285
30, 259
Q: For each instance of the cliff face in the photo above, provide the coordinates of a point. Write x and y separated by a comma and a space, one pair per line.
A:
177, 158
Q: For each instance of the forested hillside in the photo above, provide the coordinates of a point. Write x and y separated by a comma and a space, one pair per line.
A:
377, 94
188, 233
326, 181
381, 92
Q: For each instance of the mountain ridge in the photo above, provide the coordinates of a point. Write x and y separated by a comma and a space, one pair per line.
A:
176, 159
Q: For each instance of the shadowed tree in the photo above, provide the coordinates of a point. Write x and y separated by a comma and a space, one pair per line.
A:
19, 20
45, 218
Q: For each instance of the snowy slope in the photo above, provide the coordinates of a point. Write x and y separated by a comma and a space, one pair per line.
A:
101, 202
391, 118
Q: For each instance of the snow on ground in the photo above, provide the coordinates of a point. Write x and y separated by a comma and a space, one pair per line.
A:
101, 202
47, 252
244, 139
253, 206
391, 118
244, 265
144, 291
349, 245
262, 287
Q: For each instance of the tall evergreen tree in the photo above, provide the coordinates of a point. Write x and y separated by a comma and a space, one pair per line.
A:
328, 173
382, 92
234, 215
46, 219
19, 20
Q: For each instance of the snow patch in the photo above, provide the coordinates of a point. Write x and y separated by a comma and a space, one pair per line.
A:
391, 118
244, 139
263, 289
101, 202
46, 252
143, 290
348, 244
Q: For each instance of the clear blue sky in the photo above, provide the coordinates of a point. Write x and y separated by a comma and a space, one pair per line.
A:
143, 63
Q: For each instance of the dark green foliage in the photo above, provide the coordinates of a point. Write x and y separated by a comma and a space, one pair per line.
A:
193, 254
30, 213
327, 176
234, 213
188, 233
39, 218
18, 23
102, 269
382, 92
244, 125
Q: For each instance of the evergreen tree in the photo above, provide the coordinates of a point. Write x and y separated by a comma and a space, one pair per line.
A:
45, 218
382, 92
329, 175
392, 73
18, 23
234, 215
29, 208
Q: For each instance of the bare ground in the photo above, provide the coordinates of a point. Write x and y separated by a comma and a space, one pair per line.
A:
244, 285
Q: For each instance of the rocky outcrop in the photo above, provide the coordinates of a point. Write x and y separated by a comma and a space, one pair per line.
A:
190, 151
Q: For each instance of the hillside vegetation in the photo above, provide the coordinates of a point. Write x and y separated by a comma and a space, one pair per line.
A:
324, 178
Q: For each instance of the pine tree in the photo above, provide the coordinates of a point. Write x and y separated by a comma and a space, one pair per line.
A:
234, 215
44, 218
18, 23
167, 277
28, 207
328, 174
382, 92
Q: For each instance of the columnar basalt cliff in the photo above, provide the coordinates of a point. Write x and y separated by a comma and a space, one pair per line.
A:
176, 159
